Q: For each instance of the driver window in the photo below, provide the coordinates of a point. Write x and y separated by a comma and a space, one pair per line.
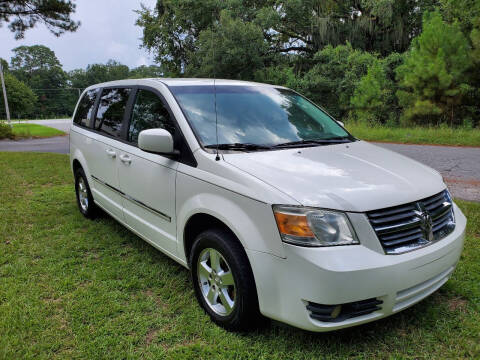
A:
148, 112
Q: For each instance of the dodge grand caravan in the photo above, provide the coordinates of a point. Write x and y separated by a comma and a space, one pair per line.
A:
273, 206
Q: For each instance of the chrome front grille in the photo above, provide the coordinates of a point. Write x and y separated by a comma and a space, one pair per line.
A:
407, 227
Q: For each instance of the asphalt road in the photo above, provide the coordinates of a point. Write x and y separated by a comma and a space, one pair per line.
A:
460, 166
58, 144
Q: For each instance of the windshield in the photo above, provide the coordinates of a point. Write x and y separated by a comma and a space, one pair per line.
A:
254, 115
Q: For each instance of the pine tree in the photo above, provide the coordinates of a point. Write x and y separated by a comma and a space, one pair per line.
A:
432, 79
370, 99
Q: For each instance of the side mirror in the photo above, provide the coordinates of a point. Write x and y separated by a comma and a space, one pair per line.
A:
340, 123
158, 141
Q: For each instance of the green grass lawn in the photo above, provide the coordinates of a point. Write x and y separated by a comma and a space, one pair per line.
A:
49, 118
73, 288
417, 135
35, 130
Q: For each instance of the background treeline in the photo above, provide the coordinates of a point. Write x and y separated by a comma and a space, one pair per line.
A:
373, 61
38, 87
394, 62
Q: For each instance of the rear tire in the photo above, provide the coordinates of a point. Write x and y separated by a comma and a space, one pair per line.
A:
223, 281
84, 196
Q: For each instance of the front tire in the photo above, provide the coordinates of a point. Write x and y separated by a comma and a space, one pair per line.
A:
223, 281
84, 196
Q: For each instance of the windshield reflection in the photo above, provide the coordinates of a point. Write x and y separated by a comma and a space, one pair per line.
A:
254, 114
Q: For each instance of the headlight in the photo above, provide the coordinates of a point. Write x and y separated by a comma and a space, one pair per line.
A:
313, 227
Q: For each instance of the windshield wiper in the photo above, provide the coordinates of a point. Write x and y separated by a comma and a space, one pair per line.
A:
333, 140
239, 146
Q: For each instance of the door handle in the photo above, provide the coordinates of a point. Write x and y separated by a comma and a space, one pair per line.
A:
111, 153
125, 159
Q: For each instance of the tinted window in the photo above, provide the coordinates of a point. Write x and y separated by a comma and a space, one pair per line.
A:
149, 113
111, 110
85, 108
254, 114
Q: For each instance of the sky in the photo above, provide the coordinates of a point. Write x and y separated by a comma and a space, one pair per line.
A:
107, 31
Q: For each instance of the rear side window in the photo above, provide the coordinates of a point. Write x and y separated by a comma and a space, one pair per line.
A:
111, 110
85, 108
149, 112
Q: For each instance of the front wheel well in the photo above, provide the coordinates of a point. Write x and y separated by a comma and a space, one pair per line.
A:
76, 165
197, 224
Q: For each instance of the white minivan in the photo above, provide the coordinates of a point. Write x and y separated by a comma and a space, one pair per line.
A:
274, 207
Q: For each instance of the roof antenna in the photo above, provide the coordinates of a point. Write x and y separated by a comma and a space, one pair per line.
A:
217, 158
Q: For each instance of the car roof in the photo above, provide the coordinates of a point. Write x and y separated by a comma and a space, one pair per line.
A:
180, 82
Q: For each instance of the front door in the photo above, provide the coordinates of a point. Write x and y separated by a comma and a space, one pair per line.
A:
148, 180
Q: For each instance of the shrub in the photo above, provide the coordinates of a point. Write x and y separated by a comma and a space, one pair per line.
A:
21, 98
5, 131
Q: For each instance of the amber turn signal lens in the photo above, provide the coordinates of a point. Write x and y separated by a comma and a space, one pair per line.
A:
296, 225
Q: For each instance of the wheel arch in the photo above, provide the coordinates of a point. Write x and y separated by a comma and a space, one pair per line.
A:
76, 165
78, 161
196, 224
251, 222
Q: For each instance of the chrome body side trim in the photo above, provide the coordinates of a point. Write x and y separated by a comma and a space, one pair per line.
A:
137, 202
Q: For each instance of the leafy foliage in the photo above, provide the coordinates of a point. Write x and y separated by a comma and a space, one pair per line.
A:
371, 94
25, 14
233, 49
98, 73
433, 77
4, 64
21, 99
39, 68
6, 131
342, 55
374, 101
172, 30
363, 60
333, 78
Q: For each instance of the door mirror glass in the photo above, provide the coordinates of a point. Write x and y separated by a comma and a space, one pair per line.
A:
158, 141
340, 123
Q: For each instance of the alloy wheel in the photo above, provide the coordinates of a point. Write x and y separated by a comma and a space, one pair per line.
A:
216, 280
82, 194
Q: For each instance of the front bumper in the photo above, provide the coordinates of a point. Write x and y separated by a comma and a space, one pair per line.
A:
347, 274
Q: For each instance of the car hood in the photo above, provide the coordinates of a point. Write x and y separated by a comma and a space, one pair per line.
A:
357, 176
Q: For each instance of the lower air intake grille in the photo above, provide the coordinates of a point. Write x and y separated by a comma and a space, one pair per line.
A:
407, 227
337, 313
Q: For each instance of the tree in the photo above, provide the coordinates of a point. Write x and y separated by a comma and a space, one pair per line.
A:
370, 99
21, 98
4, 64
382, 26
233, 49
466, 13
38, 67
332, 79
25, 14
432, 80
144, 71
30, 59
98, 73
374, 100
173, 28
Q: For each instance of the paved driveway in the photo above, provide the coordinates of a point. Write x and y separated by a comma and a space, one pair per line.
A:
460, 166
